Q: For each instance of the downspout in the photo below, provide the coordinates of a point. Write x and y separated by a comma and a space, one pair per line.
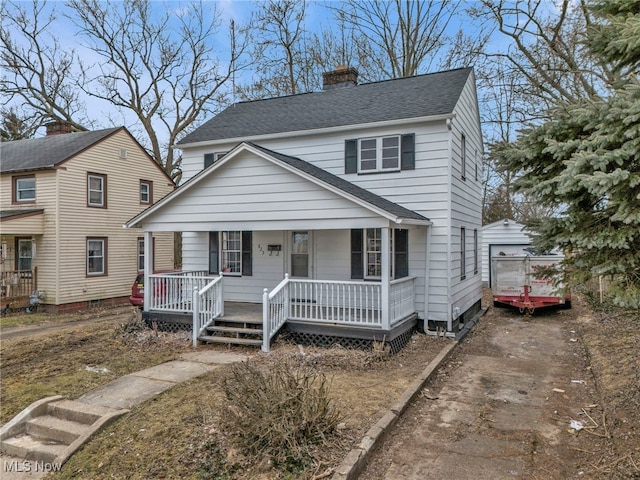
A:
449, 219
427, 275
57, 247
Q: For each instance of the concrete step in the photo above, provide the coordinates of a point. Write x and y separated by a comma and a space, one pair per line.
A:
32, 448
230, 340
78, 411
224, 329
51, 429
55, 429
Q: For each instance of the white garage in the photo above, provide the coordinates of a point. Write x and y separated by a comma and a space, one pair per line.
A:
505, 237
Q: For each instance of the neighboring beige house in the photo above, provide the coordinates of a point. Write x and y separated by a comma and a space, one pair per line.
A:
63, 201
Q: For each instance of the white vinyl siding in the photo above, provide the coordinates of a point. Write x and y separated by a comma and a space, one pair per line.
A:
61, 243
434, 189
25, 189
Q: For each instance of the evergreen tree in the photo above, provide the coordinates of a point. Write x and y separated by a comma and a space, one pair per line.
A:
585, 162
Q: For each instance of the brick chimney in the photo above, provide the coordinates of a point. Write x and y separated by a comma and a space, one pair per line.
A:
341, 77
58, 128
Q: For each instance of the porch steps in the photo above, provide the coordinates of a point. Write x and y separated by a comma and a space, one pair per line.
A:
234, 330
51, 429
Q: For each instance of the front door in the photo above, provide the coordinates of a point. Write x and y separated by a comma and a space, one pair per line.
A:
301, 254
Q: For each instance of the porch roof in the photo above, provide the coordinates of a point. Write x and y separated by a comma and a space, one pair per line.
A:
22, 222
367, 203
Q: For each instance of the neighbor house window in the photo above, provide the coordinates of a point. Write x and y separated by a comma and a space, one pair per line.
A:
96, 190
475, 251
146, 191
140, 254
24, 258
96, 256
24, 189
463, 253
463, 157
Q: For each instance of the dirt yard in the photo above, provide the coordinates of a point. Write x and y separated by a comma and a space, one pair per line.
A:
176, 435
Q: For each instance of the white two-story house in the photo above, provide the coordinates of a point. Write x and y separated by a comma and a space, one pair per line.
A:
354, 211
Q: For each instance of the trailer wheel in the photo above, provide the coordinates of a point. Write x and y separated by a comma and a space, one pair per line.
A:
566, 305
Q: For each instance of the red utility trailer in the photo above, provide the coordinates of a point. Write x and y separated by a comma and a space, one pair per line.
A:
515, 282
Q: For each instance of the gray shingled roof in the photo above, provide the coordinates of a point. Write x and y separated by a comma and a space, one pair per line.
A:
17, 213
409, 97
344, 185
46, 152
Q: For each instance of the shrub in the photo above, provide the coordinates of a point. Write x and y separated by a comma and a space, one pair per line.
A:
280, 413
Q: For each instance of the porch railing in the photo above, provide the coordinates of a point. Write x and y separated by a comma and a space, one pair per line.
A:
172, 292
357, 304
208, 304
18, 283
402, 299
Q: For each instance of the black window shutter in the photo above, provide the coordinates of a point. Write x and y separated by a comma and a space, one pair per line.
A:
214, 267
209, 158
401, 260
247, 266
408, 153
351, 156
357, 255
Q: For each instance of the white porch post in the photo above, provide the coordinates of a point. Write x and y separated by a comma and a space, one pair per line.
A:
386, 277
148, 268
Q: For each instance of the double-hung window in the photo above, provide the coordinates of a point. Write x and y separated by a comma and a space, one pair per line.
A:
463, 253
146, 191
232, 252
24, 189
366, 253
25, 253
373, 245
96, 256
96, 190
211, 158
379, 154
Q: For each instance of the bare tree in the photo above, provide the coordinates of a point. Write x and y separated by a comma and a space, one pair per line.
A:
162, 68
38, 73
546, 51
399, 38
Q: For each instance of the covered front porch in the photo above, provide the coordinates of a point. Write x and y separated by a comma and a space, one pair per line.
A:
314, 311
316, 251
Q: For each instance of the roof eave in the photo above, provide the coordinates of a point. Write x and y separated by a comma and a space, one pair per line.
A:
319, 131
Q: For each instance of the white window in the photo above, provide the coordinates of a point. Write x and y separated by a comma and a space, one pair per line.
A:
146, 190
211, 158
96, 256
475, 252
463, 253
25, 189
379, 154
463, 156
96, 190
373, 253
140, 254
25, 254
232, 252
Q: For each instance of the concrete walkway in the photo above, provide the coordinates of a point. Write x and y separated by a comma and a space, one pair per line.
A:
126, 392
